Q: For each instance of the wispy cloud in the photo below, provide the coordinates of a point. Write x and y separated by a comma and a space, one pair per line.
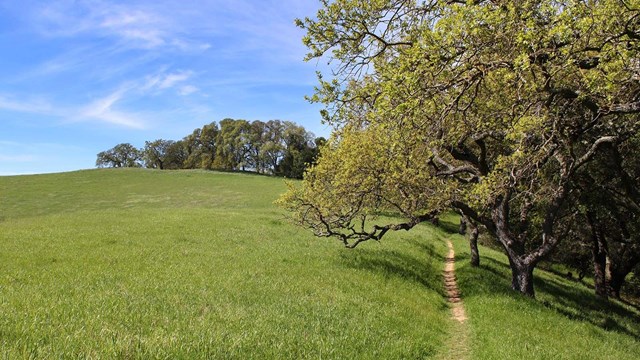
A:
187, 90
132, 25
163, 80
103, 109
172, 79
36, 106
135, 25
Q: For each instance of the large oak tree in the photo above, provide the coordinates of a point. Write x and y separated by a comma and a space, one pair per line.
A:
121, 155
492, 108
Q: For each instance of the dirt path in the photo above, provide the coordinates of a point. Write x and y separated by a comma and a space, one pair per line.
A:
458, 341
451, 286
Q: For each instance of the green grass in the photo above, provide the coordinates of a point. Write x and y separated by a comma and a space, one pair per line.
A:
185, 265
138, 264
565, 321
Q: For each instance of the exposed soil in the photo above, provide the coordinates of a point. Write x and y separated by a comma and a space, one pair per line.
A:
457, 345
458, 342
451, 286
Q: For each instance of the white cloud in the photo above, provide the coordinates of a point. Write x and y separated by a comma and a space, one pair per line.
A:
163, 81
36, 106
171, 79
17, 158
136, 25
187, 90
103, 109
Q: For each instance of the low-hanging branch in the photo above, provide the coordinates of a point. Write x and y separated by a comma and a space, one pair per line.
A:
354, 236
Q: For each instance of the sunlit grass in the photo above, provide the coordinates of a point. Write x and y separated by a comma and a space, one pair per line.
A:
565, 321
190, 264
148, 264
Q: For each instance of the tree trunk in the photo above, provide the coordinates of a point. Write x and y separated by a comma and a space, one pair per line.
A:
599, 272
463, 225
473, 244
522, 260
466, 223
618, 272
615, 284
599, 252
599, 276
522, 278
521, 269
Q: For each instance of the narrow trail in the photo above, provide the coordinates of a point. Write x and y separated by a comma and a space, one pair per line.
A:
458, 341
451, 286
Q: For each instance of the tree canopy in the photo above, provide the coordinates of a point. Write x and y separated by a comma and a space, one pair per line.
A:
274, 147
496, 109
121, 155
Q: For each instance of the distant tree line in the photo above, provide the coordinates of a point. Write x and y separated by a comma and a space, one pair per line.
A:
274, 147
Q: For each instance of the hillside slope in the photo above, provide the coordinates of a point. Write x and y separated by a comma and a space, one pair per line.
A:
134, 263
565, 321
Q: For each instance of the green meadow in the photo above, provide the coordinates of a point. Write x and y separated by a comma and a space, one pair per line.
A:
139, 264
146, 264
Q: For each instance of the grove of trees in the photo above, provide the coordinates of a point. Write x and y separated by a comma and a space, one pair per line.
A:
275, 147
521, 115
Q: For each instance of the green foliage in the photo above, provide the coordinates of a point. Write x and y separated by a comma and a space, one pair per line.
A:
121, 155
606, 221
301, 150
233, 145
163, 154
274, 147
497, 106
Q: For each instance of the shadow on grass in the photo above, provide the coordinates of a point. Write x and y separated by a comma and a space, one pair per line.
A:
585, 284
578, 303
575, 301
487, 279
634, 303
428, 249
425, 269
449, 227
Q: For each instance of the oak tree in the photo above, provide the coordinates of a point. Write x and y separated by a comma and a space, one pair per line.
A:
157, 154
121, 155
492, 108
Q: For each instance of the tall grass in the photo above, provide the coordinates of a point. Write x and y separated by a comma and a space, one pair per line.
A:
138, 264
185, 265
565, 321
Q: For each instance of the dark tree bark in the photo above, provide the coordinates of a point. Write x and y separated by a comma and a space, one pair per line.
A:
615, 284
599, 272
522, 278
618, 273
463, 225
473, 238
473, 244
599, 252
521, 262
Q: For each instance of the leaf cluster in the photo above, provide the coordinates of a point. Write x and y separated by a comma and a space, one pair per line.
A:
490, 107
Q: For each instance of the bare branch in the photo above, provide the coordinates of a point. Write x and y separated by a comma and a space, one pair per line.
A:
592, 151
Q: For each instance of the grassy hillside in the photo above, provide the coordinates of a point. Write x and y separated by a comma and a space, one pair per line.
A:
134, 263
565, 321
147, 264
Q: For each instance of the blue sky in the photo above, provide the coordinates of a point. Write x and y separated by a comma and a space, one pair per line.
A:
78, 77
